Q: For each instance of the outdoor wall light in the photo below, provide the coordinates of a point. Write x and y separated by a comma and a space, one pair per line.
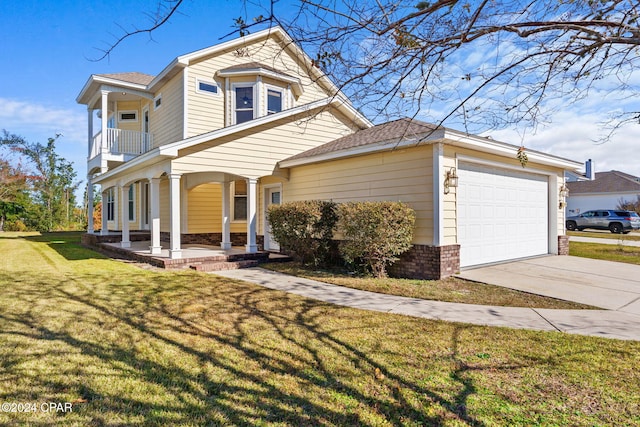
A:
563, 193
450, 180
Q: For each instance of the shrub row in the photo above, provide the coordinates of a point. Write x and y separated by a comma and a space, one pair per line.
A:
374, 234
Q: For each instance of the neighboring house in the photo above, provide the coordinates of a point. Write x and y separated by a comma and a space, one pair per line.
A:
198, 152
605, 191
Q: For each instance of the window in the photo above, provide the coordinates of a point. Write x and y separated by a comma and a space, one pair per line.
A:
243, 104
128, 116
207, 87
157, 102
111, 203
132, 205
274, 101
240, 200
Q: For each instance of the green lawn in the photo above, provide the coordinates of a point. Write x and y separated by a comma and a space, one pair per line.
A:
619, 253
135, 347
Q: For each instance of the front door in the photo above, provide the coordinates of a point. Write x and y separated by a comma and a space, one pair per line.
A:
272, 197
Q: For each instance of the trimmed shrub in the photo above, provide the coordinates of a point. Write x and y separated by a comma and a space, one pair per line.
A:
375, 233
304, 229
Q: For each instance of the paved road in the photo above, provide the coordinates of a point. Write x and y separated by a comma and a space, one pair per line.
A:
602, 323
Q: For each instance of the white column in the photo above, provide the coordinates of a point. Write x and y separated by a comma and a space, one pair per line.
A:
154, 199
124, 209
105, 117
90, 225
438, 194
89, 131
252, 219
104, 230
225, 244
174, 202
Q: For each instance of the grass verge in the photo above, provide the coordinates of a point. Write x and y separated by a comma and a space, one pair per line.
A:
128, 346
618, 253
451, 289
632, 236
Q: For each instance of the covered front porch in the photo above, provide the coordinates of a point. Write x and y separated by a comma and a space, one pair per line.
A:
200, 257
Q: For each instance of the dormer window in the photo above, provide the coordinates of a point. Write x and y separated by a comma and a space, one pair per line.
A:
244, 103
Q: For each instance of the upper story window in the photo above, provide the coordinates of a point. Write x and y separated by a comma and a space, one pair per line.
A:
274, 101
157, 102
128, 116
244, 103
210, 88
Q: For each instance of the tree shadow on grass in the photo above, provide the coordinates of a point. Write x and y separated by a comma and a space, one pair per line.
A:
134, 347
66, 244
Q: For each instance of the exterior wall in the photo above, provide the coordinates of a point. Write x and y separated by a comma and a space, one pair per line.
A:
579, 203
399, 175
129, 106
166, 122
255, 152
428, 262
206, 112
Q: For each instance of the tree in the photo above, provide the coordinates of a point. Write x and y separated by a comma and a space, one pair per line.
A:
13, 186
486, 64
52, 183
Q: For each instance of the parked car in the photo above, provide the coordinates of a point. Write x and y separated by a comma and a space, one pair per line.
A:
616, 221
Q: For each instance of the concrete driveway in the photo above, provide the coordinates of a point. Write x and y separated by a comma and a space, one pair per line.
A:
605, 284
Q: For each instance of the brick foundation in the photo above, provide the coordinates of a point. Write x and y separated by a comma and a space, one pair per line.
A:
428, 262
563, 245
214, 239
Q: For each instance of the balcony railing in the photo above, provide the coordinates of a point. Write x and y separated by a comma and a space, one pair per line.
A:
120, 141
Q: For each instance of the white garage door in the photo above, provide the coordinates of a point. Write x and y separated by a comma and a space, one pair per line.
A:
502, 214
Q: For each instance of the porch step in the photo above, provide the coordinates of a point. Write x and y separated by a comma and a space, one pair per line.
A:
224, 265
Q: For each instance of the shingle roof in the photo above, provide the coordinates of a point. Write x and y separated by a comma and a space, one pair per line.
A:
386, 132
606, 182
133, 77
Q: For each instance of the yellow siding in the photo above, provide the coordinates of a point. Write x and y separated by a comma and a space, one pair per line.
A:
206, 112
164, 205
400, 175
165, 123
129, 106
254, 153
205, 210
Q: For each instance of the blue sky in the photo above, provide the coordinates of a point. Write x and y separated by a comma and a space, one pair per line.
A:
47, 46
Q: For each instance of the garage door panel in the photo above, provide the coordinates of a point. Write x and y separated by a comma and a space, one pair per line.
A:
502, 214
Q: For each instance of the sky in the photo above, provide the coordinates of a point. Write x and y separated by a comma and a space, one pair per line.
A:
48, 50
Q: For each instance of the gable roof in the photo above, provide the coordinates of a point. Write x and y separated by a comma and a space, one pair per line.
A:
606, 182
396, 130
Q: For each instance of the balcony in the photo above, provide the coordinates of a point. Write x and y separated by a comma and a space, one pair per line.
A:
121, 145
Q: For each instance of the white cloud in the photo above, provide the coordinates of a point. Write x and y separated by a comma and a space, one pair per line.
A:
37, 122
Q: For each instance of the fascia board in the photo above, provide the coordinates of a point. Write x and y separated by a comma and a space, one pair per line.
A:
101, 80
146, 159
503, 149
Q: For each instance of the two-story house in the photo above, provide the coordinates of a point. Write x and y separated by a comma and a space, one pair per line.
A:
198, 152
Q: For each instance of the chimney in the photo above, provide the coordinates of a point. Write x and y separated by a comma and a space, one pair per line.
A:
589, 170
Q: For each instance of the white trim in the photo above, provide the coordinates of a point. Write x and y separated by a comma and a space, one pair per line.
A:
185, 103
493, 163
262, 72
211, 82
283, 98
232, 202
438, 194
265, 204
255, 100
157, 98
